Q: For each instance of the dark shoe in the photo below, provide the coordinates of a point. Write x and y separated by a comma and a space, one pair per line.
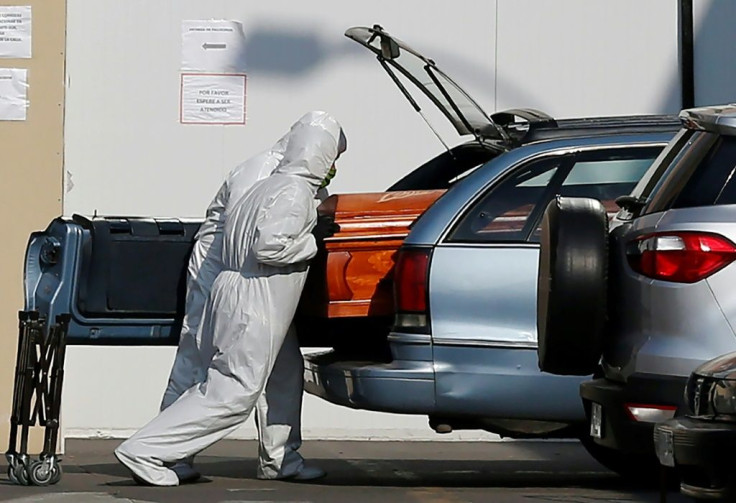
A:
185, 473
307, 473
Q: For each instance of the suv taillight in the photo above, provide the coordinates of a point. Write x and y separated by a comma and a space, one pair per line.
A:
681, 257
411, 278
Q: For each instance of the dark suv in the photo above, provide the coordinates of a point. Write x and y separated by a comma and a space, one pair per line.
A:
650, 299
700, 446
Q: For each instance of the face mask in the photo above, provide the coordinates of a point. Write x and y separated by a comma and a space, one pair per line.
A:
330, 175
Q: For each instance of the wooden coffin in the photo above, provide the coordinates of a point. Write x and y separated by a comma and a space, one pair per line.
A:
352, 275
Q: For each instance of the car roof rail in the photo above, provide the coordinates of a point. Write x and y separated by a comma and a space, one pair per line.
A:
536, 125
604, 125
641, 120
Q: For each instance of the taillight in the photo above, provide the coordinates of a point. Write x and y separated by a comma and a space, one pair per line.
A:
411, 278
647, 413
681, 257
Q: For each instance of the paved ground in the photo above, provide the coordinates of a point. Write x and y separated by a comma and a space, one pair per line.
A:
433, 472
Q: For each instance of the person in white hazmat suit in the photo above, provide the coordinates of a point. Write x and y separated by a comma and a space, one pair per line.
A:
205, 264
270, 235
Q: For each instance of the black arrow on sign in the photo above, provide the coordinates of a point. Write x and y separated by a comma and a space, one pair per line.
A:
206, 46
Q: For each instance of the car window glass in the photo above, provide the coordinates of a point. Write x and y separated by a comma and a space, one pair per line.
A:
501, 214
677, 175
605, 175
728, 193
607, 179
661, 163
712, 182
424, 75
654, 174
541, 180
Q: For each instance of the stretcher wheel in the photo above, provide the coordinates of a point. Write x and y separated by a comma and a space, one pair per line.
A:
11, 475
42, 473
21, 475
56, 473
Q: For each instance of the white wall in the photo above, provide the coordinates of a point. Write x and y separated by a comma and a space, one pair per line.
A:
715, 38
588, 57
126, 153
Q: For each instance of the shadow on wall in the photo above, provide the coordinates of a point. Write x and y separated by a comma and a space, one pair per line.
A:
282, 52
287, 53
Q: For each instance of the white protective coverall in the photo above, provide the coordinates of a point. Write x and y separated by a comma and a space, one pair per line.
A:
205, 263
266, 248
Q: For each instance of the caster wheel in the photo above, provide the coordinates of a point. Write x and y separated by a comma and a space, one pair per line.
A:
11, 475
55, 473
41, 473
21, 475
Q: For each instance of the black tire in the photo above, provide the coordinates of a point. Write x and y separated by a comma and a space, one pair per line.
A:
41, 473
57, 473
21, 475
11, 475
572, 285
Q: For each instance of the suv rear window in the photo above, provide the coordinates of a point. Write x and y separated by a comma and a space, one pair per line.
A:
713, 181
701, 174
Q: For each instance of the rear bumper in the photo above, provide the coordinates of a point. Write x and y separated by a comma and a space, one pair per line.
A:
703, 454
620, 431
405, 387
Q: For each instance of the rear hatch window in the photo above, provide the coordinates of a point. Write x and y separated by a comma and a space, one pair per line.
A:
701, 174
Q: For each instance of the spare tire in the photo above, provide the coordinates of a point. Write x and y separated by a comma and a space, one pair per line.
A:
571, 285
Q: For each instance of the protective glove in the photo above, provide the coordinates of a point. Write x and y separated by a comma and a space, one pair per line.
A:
324, 228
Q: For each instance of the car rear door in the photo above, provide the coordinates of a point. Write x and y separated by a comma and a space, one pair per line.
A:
483, 274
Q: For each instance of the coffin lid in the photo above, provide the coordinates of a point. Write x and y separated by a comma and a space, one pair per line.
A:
377, 213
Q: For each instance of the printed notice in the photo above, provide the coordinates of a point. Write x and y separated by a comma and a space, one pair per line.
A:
13, 100
15, 32
212, 46
212, 99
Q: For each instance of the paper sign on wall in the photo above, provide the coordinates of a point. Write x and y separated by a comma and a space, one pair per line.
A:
212, 46
13, 96
212, 98
15, 32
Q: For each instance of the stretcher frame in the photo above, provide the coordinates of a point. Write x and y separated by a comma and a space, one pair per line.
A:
39, 375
